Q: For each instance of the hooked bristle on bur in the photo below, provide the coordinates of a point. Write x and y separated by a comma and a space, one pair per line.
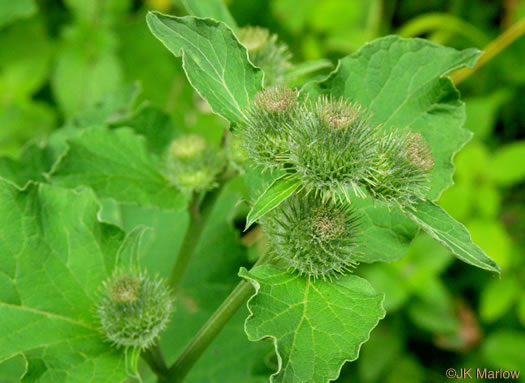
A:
400, 176
332, 147
264, 135
419, 152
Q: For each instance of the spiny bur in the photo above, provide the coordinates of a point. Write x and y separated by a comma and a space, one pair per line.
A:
191, 164
133, 309
265, 134
400, 177
313, 237
332, 147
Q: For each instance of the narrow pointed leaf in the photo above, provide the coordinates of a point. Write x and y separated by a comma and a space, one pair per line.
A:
452, 234
273, 196
215, 62
315, 326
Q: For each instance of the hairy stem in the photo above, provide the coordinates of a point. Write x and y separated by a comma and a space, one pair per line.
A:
199, 214
492, 49
212, 327
155, 360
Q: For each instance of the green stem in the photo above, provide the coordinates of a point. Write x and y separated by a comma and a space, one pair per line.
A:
510, 35
214, 325
199, 214
156, 361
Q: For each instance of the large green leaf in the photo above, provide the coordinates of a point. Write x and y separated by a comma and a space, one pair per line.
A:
452, 234
400, 82
54, 254
215, 62
273, 196
315, 326
116, 164
216, 9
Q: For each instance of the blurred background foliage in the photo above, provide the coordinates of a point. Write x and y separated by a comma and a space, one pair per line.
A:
58, 58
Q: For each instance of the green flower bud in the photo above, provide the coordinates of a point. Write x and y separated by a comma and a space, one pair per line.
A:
400, 174
265, 133
332, 148
192, 165
187, 147
134, 309
266, 53
312, 237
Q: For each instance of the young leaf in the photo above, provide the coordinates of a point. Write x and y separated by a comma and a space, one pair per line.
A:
54, 255
216, 9
215, 62
116, 164
400, 82
315, 326
273, 196
451, 234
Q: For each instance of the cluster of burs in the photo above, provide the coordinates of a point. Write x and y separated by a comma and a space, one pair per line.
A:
336, 154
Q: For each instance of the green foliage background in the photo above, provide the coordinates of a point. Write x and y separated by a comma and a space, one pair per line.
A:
58, 59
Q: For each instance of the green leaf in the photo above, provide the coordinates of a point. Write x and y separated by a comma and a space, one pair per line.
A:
111, 109
116, 164
315, 326
384, 235
155, 125
400, 82
23, 70
22, 122
451, 234
504, 349
87, 69
215, 9
497, 298
215, 62
32, 165
507, 167
53, 257
273, 196
12, 10
303, 70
